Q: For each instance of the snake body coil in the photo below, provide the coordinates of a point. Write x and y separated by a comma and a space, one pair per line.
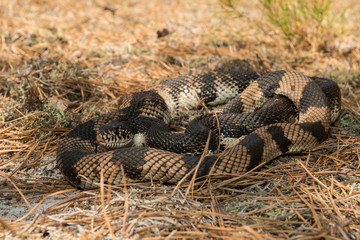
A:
281, 112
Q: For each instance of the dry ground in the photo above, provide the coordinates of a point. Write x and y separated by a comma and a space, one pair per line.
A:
63, 62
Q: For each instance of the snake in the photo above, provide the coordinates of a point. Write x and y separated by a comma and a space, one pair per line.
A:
264, 114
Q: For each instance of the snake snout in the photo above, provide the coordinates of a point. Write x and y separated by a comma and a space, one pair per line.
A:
115, 135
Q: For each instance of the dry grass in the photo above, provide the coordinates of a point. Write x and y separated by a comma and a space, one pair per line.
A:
63, 62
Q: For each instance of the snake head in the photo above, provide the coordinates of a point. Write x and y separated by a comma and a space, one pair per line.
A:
116, 134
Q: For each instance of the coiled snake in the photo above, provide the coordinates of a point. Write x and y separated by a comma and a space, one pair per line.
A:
282, 112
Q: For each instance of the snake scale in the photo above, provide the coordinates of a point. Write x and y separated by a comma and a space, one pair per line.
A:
269, 115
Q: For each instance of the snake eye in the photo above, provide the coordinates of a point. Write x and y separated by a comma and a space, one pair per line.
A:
115, 135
